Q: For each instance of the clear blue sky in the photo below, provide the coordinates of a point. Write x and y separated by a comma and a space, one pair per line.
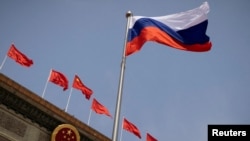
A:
169, 93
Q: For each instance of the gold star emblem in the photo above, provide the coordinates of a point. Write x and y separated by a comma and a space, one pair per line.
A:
65, 132
69, 132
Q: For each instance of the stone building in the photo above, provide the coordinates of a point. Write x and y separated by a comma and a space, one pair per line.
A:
24, 116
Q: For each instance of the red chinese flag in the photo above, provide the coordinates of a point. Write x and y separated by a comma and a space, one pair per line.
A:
131, 128
99, 108
59, 79
77, 84
150, 138
19, 57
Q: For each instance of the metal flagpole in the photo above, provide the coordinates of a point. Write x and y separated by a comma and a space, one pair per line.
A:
46, 84
3, 62
68, 99
89, 116
122, 129
120, 88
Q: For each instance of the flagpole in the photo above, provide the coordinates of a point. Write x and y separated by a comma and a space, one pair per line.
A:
68, 99
121, 130
46, 84
120, 88
3, 62
89, 116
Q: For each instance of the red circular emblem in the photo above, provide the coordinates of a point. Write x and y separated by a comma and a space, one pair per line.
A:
65, 132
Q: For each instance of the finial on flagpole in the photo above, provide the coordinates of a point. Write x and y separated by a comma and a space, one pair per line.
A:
128, 14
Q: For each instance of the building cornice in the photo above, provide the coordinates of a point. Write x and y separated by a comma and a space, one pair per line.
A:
38, 110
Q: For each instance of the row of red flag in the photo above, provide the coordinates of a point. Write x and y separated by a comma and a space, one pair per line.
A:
60, 79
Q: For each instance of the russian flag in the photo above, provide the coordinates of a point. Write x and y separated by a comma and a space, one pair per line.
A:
184, 31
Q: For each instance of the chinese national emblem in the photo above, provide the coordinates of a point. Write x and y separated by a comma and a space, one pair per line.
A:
65, 132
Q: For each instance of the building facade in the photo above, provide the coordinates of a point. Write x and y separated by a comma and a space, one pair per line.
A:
25, 116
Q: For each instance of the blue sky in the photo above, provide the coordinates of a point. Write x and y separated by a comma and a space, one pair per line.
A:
171, 94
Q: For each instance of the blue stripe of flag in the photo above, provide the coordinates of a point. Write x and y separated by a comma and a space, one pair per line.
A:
193, 35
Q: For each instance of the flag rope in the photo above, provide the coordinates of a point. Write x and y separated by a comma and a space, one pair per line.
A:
119, 94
